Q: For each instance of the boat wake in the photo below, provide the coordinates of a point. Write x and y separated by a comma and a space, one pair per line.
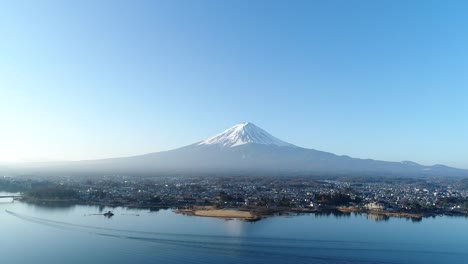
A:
298, 251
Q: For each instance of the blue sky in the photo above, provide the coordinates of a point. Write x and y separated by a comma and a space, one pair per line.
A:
370, 79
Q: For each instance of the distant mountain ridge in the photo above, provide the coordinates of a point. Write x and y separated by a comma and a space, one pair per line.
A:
246, 149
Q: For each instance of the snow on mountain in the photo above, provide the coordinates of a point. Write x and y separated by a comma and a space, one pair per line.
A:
244, 133
243, 149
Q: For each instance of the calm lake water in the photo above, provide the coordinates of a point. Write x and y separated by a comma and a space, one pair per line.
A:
73, 234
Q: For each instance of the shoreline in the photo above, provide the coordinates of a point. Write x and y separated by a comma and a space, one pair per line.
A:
251, 214
350, 209
227, 214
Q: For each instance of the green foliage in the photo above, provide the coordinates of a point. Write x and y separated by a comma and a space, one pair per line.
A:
225, 197
284, 202
335, 199
12, 186
155, 200
57, 193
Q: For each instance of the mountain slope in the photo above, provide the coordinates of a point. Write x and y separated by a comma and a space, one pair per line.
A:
246, 149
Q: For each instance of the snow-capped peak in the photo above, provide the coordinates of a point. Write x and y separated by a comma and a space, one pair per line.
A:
244, 133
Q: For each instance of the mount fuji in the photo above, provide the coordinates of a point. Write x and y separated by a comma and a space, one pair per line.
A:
244, 133
246, 149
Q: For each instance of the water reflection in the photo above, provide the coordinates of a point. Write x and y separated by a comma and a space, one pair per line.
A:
233, 227
377, 217
138, 236
50, 207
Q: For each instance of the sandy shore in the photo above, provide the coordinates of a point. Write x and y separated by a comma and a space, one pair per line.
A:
224, 213
221, 213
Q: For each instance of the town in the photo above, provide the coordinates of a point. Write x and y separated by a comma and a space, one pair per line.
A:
264, 195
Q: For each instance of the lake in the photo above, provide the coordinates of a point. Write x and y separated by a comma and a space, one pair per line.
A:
76, 234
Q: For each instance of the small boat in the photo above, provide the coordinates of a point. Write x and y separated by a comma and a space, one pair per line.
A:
108, 214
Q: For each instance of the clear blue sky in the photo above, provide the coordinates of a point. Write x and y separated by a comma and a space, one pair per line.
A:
370, 79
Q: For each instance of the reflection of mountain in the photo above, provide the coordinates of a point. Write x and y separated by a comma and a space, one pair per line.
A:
246, 149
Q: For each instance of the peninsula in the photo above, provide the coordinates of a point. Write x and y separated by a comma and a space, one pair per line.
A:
253, 198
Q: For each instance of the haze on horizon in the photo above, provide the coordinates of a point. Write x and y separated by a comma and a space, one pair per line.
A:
383, 80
